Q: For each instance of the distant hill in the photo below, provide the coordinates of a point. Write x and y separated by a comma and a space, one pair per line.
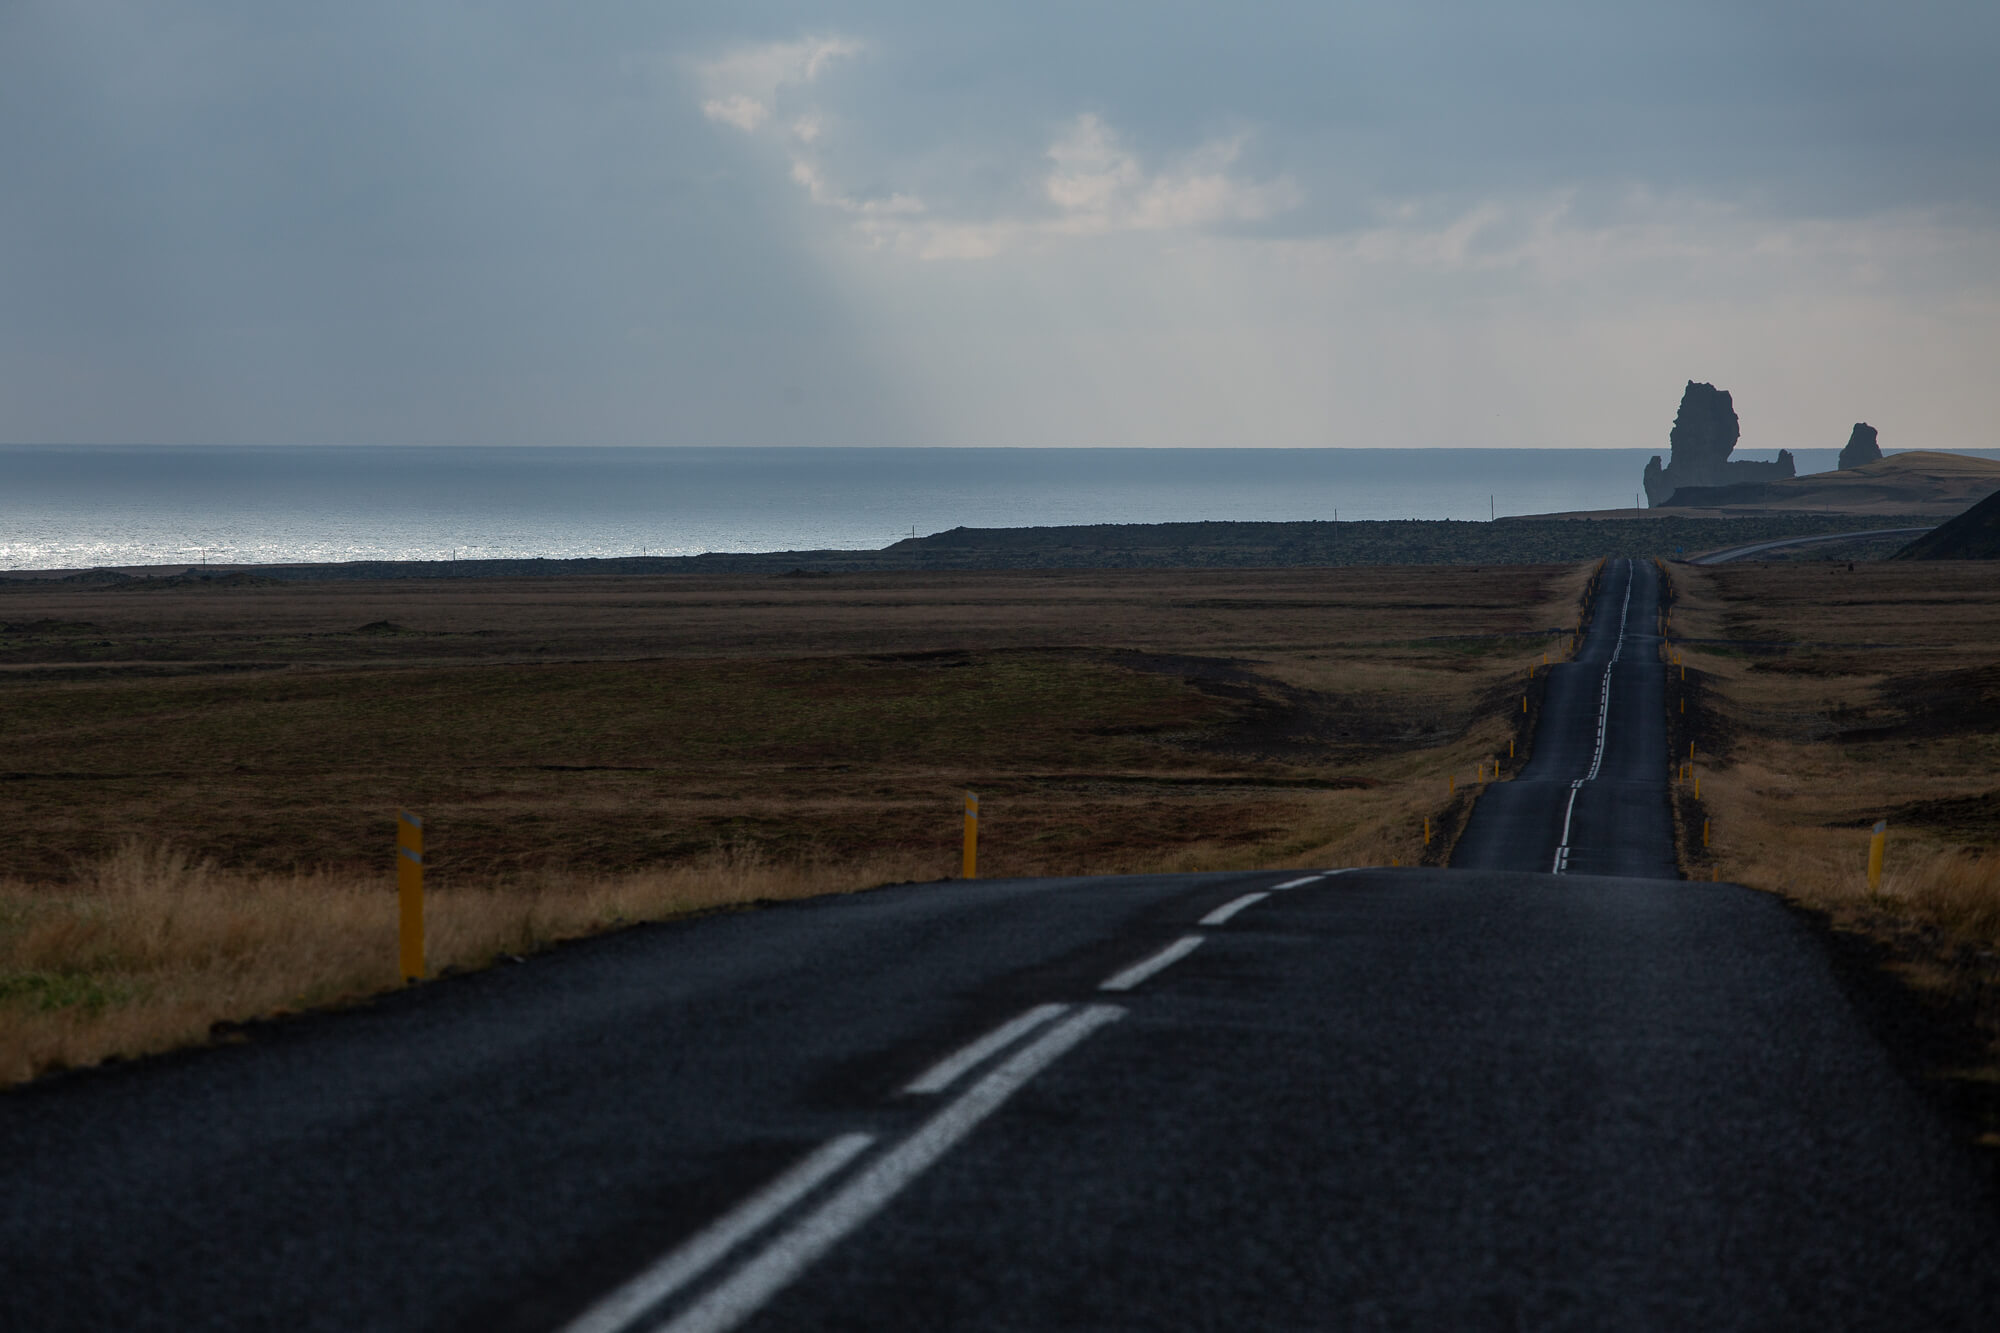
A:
1973, 535
1922, 482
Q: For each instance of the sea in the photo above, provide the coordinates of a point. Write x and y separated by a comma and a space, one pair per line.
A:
81, 507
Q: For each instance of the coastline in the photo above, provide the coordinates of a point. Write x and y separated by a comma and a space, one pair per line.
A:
1519, 540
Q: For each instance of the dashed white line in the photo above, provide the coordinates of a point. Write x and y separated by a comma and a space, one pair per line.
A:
947, 1071
746, 1290
753, 1284
699, 1253
1561, 862
1165, 958
1229, 909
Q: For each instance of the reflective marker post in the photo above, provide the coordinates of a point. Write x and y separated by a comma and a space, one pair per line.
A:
1875, 845
410, 894
970, 869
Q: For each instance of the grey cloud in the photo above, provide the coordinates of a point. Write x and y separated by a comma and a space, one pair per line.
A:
505, 221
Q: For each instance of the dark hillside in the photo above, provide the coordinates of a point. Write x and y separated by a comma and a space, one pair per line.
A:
1973, 535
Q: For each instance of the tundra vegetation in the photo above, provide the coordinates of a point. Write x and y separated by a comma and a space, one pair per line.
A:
202, 780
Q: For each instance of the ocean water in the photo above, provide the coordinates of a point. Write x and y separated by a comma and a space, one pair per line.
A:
75, 507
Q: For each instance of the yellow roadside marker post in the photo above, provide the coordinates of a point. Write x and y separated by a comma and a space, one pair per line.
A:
970, 868
1704, 833
1875, 844
1427, 830
410, 894
1510, 739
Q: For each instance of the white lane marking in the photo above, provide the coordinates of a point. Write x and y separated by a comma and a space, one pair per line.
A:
947, 1071
1165, 958
1561, 863
696, 1255
1301, 883
1227, 910
749, 1287
1569, 812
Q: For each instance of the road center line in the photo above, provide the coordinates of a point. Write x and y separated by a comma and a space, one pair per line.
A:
1222, 914
749, 1287
1301, 883
1561, 863
700, 1252
947, 1071
1160, 961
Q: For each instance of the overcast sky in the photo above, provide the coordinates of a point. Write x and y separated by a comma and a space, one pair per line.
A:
1150, 223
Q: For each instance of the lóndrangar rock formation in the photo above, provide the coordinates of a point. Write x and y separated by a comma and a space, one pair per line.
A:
1861, 447
1704, 433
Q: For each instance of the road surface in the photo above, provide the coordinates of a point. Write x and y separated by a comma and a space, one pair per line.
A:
1592, 798
1493, 1098
1728, 554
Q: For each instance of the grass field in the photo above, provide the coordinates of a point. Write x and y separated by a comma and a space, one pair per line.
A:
1831, 697
200, 782
1824, 697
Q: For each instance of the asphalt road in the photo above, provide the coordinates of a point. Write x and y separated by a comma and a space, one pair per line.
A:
1732, 553
1370, 1099
1592, 798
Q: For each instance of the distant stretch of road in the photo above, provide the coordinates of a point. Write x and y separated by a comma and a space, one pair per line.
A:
1592, 798
1551, 1092
1723, 557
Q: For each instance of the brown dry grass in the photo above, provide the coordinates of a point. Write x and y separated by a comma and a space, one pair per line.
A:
148, 950
200, 783
1822, 697
1827, 697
